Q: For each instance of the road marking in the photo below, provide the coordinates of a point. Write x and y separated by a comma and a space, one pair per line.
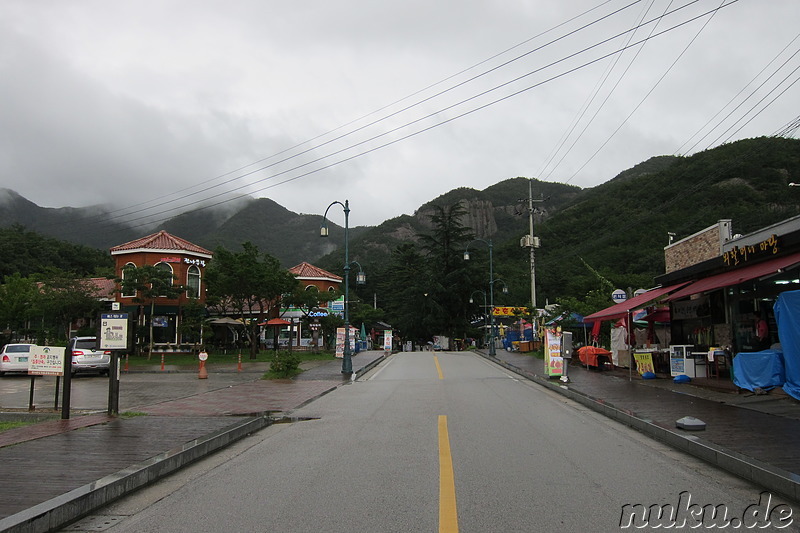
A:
438, 368
448, 516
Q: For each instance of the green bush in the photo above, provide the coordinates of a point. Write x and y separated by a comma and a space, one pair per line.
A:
285, 364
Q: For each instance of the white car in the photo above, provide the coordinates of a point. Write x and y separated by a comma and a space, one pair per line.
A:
15, 358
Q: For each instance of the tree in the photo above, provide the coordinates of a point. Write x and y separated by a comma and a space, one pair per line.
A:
64, 297
451, 278
248, 283
194, 322
150, 283
17, 298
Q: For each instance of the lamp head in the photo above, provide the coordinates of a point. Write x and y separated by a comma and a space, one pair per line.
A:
466, 255
323, 230
361, 278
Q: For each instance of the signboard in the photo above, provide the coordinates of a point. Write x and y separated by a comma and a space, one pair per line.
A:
619, 296
644, 362
553, 361
46, 361
113, 331
387, 340
340, 341
510, 311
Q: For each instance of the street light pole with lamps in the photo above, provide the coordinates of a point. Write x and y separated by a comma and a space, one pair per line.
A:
488, 243
347, 361
485, 316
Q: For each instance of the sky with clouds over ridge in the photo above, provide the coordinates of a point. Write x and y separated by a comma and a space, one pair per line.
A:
163, 106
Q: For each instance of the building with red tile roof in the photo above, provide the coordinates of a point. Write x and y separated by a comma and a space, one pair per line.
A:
185, 260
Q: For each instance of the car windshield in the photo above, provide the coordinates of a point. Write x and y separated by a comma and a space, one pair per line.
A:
19, 348
86, 344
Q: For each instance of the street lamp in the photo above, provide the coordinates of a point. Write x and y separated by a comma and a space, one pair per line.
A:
347, 362
488, 243
485, 316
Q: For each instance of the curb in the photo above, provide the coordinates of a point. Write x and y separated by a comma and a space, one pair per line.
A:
770, 477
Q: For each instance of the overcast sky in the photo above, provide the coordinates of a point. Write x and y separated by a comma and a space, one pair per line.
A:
152, 105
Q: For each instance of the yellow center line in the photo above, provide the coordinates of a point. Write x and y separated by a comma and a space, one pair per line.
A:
438, 368
448, 516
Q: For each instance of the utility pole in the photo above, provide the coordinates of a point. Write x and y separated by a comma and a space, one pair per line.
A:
532, 243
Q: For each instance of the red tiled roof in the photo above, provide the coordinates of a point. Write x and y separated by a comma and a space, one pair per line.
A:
308, 271
160, 241
105, 287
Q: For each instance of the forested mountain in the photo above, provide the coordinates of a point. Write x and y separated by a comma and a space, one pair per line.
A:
611, 234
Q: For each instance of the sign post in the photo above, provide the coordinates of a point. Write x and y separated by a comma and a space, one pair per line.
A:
113, 337
45, 361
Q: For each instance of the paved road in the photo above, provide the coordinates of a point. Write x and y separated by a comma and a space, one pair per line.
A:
425, 442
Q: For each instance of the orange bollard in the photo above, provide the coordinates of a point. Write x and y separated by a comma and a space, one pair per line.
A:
162, 362
239, 368
126, 363
203, 374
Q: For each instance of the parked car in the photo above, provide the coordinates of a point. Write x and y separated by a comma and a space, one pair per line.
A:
15, 358
85, 358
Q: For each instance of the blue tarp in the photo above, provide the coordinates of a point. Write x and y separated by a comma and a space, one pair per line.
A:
758, 370
787, 315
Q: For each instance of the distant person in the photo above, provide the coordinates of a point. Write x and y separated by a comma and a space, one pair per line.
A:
762, 332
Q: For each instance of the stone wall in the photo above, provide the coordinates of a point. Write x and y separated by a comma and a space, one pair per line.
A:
702, 246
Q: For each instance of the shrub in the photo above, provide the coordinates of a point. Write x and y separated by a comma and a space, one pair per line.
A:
285, 364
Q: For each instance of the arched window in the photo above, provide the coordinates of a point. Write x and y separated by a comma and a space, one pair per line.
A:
193, 282
130, 292
309, 287
166, 267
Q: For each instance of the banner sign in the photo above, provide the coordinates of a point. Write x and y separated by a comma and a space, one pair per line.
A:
553, 360
509, 311
644, 362
387, 340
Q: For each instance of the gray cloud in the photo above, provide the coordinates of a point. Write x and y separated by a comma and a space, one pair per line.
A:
126, 102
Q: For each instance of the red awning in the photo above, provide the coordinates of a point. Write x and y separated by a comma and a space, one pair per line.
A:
275, 322
621, 309
735, 277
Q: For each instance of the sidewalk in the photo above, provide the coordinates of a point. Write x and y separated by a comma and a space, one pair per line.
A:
58, 474
754, 437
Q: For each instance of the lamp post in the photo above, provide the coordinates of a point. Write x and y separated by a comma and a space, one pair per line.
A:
347, 362
488, 243
485, 316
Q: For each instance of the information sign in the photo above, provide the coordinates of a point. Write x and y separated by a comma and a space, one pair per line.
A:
114, 331
46, 361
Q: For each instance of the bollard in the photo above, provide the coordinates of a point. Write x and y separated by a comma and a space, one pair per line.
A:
162, 362
203, 374
126, 363
239, 368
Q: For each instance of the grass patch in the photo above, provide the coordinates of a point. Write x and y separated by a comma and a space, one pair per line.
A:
132, 414
5, 426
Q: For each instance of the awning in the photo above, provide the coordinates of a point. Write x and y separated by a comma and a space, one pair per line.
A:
621, 309
735, 277
275, 322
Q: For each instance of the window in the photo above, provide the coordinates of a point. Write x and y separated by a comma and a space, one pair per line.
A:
130, 292
193, 282
166, 268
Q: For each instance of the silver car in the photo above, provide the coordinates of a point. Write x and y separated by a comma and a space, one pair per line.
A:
85, 358
15, 358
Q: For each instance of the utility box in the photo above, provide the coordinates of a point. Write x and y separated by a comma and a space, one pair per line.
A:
566, 344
